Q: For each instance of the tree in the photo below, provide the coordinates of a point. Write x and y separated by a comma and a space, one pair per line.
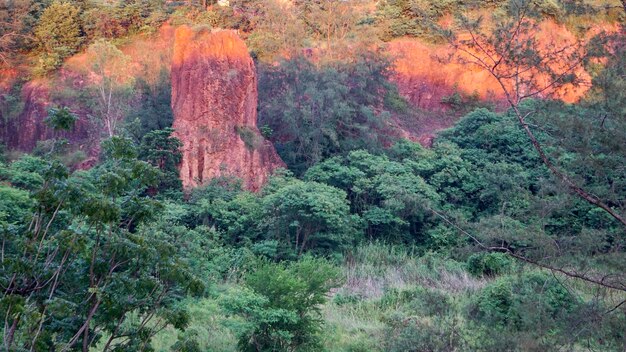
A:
308, 216
526, 70
80, 260
112, 85
154, 110
114, 19
330, 21
607, 95
392, 199
280, 304
61, 119
58, 33
278, 30
316, 113
162, 151
410, 18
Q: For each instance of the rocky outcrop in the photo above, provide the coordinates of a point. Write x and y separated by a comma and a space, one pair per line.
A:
214, 100
26, 128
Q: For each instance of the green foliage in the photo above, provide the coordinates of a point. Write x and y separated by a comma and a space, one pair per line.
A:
58, 33
154, 111
514, 187
235, 16
390, 196
395, 102
17, 19
61, 119
534, 303
121, 18
607, 99
250, 137
266, 131
290, 217
11, 105
162, 151
403, 301
206, 330
494, 137
316, 113
78, 260
26, 173
460, 102
280, 304
410, 334
112, 92
417, 18
410, 18
308, 216
488, 264
116, 257
15, 205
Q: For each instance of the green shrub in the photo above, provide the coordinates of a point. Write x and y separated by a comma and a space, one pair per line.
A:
280, 304
58, 34
346, 299
266, 131
61, 119
534, 304
308, 216
316, 112
489, 264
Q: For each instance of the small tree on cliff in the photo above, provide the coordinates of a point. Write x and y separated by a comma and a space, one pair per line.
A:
112, 86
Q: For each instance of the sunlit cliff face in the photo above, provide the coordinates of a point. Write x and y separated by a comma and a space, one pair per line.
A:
425, 73
424, 78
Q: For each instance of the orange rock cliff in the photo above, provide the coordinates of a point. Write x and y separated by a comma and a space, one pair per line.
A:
214, 100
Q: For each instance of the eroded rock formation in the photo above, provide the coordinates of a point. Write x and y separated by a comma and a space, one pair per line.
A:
214, 100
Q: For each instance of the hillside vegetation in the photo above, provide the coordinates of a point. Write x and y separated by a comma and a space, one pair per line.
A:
504, 231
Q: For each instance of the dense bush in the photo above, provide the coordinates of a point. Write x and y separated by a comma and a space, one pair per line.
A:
308, 216
390, 196
319, 112
118, 19
59, 34
489, 264
289, 218
528, 306
281, 305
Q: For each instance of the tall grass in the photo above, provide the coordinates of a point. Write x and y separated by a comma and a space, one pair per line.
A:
378, 279
374, 268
